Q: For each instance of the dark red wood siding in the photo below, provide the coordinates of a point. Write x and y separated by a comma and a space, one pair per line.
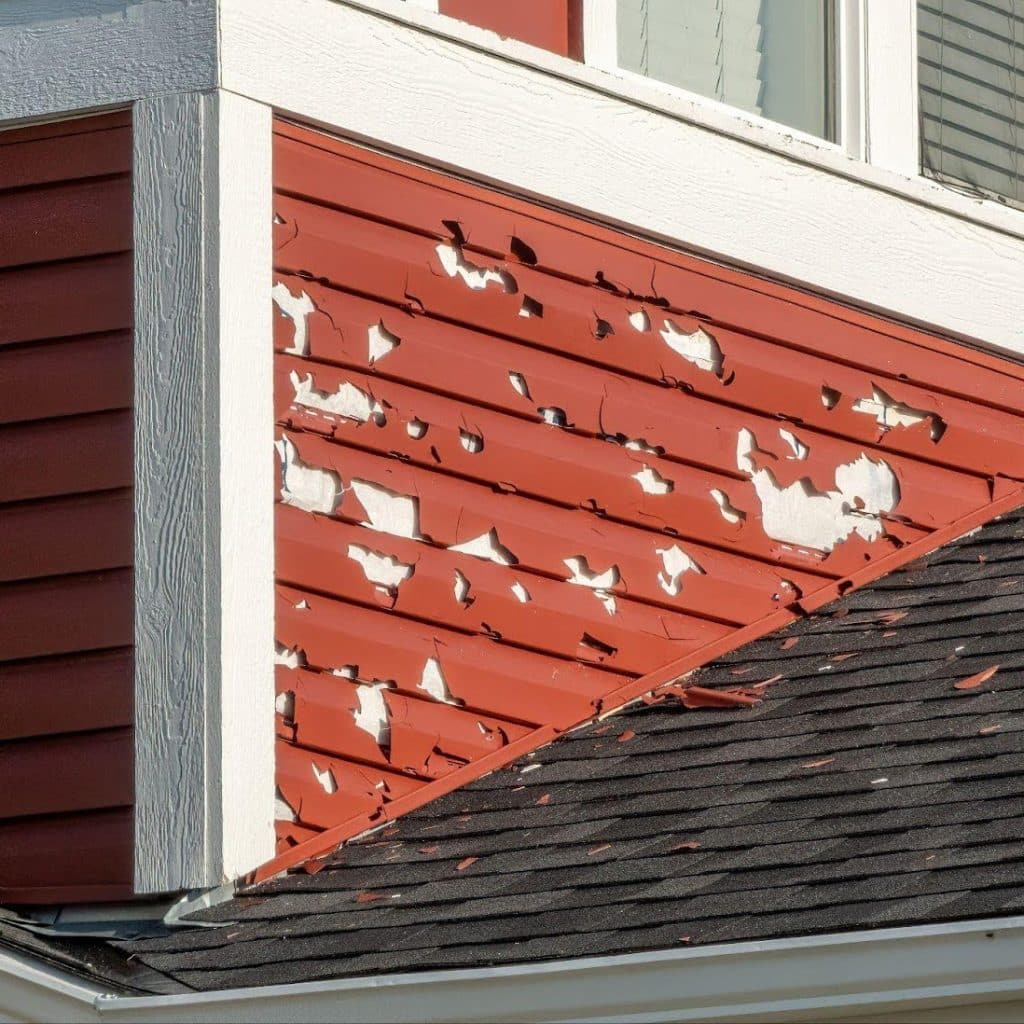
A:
674, 438
66, 605
554, 25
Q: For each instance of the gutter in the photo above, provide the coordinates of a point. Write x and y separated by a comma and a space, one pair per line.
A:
830, 977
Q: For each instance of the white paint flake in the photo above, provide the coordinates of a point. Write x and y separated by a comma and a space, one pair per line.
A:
522, 594
473, 443
699, 347
518, 382
283, 811
304, 486
296, 308
385, 572
302, 606
461, 587
435, 685
652, 482
889, 413
388, 511
676, 562
730, 513
799, 449
372, 714
800, 515
455, 264
554, 416
488, 547
640, 321
380, 341
284, 705
600, 582
328, 783
348, 401
346, 671
416, 429
289, 657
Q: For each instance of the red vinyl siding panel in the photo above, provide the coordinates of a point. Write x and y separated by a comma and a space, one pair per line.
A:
528, 462
66, 603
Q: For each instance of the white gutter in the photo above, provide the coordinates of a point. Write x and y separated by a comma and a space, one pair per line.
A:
831, 977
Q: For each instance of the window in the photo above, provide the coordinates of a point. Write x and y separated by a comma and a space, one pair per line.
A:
774, 58
971, 78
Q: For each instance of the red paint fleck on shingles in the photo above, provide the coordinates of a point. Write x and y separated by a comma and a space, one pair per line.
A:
429, 849
988, 730
465, 863
626, 736
369, 897
973, 682
888, 618
544, 800
690, 844
819, 764
599, 849
789, 643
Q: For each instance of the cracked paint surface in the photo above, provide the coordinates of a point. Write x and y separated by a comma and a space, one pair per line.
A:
527, 463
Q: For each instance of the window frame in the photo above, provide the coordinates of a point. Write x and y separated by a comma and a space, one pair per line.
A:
876, 76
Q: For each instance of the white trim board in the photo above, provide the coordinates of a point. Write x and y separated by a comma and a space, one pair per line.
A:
636, 157
204, 682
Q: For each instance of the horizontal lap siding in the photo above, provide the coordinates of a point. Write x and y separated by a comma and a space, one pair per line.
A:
517, 383
66, 602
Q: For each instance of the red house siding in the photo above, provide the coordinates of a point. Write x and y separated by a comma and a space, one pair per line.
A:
554, 25
66, 606
643, 456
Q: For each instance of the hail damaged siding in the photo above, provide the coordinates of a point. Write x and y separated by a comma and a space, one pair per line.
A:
66, 523
527, 462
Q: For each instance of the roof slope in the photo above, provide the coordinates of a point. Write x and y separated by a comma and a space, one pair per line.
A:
865, 790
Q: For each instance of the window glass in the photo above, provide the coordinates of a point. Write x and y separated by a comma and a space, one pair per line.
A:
971, 78
771, 57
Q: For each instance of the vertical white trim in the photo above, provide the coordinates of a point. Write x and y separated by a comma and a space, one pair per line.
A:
890, 62
850, 73
600, 34
203, 479
242, 232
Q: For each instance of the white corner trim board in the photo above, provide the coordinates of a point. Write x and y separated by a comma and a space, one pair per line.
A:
204, 487
828, 977
635, 156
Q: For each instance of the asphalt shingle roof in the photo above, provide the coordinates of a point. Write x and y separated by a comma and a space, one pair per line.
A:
865, 790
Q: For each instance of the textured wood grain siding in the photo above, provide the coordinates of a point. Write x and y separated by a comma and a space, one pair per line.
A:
66, 602
527, 463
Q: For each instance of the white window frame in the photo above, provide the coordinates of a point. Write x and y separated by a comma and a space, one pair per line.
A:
876, 69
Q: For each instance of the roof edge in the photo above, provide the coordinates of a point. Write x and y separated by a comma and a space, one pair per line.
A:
328, 841
881, 971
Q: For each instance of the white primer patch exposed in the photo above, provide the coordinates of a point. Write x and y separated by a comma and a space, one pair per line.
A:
380, 341
348, 401
289, 657
283, 811
388, 511
454, 263
435, 685
473, 443
328, 783
296, 308
304, 486
889, 413
372, 714
518, 382
522, 594
799, 515
461, 587
799, 449
639, 320
488, 547
284, 705
600, 582
554, 416
346, 671
676, 562
652, 482
416, 429
730, 513
699, 348
385, 572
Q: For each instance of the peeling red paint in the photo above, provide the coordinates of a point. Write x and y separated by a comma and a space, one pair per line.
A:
597, 427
